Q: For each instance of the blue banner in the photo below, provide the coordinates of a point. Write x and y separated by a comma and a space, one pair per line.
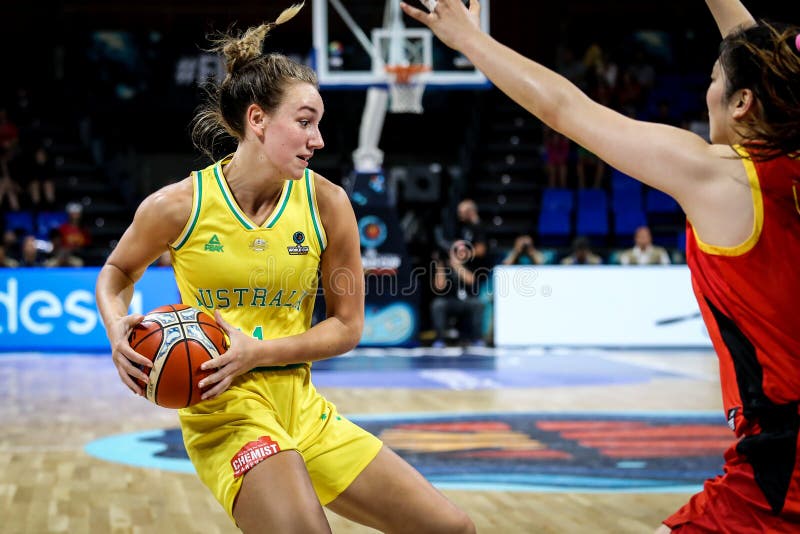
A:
54, 309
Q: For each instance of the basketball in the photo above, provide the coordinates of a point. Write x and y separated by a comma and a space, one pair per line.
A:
178, 339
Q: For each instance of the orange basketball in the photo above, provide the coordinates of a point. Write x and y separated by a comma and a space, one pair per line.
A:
177, 339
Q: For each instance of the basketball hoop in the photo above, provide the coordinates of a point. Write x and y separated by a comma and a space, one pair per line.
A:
406, 87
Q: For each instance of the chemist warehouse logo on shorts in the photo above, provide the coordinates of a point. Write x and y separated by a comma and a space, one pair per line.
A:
253, 453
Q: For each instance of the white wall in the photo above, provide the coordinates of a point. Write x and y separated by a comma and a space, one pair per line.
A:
619, 306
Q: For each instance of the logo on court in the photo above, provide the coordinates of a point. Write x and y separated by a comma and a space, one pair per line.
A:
605, 452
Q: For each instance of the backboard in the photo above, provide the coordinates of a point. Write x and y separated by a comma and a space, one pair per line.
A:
354, 40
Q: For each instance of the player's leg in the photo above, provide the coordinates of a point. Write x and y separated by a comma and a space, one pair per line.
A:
277, 496
663, 529
391, 496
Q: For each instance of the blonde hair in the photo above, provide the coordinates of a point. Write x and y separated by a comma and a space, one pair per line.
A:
252, 78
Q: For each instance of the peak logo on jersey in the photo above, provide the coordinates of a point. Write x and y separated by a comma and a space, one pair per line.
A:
298, 248
214, 244
253, 453
258, 245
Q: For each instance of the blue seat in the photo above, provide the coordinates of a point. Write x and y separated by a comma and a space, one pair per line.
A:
49, 220
626, 222
592, 222
592, 200
558, 199
623, 200
555, 227
659, 202
20, 220
620, 180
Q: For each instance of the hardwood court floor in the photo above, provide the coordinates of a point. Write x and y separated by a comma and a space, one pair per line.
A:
52, 406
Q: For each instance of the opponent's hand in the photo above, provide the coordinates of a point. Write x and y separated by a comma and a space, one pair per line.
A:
450, 20
127, 361
237, 360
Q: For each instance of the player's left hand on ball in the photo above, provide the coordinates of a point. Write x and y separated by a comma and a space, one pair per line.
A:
236, 361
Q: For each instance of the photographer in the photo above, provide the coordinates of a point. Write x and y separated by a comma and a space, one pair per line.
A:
524, 253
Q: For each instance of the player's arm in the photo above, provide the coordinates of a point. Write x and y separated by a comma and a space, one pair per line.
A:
157, 222
676, 161
729, 15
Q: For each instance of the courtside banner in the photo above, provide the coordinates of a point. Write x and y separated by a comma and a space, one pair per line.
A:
598, 306
54, 309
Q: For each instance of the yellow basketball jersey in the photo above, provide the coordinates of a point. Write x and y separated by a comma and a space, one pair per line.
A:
263, 279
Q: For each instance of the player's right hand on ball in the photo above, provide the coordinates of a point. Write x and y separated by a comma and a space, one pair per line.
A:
128, 362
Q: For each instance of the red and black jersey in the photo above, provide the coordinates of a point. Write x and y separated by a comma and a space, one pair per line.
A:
749, 296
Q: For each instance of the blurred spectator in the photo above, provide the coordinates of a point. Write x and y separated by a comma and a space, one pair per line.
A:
8, 186
9, 135
31, 254
457, 287
40, 176
6, 261
74, 235
469, 229
61, 256
643, 251
587, 163
581, 254
556, 157
524, 253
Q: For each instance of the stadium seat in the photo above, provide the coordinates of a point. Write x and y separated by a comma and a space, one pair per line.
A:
558, 199
592, 222
49, 220
20, 220
625, 224
592, 200
555, 227
623, 200
620, 180
659, 202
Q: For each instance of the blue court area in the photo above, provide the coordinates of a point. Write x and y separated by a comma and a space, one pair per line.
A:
427, 368
478, 369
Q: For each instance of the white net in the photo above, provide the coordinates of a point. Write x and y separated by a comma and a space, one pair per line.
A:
406, 87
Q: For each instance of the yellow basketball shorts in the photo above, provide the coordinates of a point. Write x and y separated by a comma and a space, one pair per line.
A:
265, 412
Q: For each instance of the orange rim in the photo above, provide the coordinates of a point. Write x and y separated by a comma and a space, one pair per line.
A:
404, 73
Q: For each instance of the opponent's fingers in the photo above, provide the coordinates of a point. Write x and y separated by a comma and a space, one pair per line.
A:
475, 7
414, 13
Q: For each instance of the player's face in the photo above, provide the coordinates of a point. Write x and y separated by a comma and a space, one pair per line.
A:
717, 116
292, 134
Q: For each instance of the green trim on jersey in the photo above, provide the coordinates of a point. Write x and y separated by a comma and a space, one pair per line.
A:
313, 210
197, 197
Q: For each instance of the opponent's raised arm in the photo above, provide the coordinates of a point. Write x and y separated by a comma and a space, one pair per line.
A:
729, 15
665, 157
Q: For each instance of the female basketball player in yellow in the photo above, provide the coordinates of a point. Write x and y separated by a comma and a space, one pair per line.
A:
248, 236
